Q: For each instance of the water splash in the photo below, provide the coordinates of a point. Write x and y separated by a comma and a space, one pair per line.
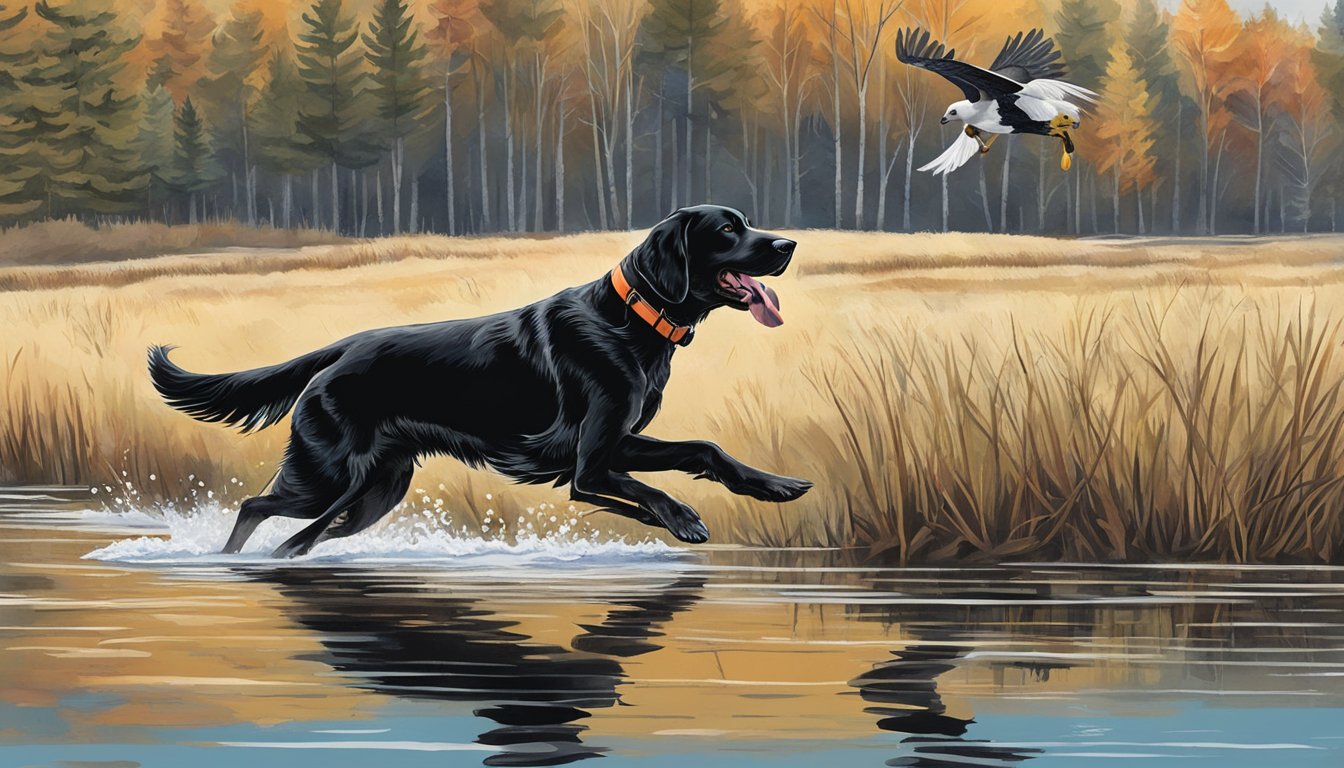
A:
195, 534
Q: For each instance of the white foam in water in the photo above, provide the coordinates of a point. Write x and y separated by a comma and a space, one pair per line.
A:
196, 536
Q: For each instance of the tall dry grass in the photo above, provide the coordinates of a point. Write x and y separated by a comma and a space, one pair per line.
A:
954, 397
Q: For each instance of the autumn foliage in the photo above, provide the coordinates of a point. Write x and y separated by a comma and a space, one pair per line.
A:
375, 117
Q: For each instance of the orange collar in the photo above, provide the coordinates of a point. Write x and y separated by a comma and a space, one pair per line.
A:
656, 318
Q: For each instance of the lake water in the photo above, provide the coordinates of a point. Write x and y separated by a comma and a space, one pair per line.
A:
122, 645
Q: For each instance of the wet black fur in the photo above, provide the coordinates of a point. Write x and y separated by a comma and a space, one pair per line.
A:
554, 392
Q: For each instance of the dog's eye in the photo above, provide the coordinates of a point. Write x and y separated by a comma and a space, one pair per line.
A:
726, 228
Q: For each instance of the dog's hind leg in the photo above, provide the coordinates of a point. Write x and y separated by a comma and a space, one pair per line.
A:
250, 515
382, 496
303, 541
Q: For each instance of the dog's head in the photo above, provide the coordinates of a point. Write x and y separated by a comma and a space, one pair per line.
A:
708, 256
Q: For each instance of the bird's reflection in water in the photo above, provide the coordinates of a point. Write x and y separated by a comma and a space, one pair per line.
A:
422, 642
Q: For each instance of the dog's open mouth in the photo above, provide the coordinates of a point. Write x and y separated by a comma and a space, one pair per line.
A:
753, 295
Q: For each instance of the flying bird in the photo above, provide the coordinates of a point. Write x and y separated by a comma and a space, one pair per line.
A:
1019, 93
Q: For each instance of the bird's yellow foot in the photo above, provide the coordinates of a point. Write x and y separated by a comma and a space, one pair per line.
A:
985, 145
1065, 161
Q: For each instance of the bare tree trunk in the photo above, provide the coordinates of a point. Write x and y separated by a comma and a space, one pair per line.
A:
658, 160
984, 197
796, 166
1213, 190
538, 202
398, 150
364, 202
415, 204
597, 164
315, 200
1003, 183
609, 155
690, 110
249, 186
1176, 176
1115, 200
676, 171
881, 219
560, 166
1040, 189
288, 204
335, 198
510, 200
378, 201
943, 181
1259, 165
1092, 201
1078, 200
1138, 205
450, 184
709, 153
481, 152
835, 114
629, 148
859, 169
521, 226
909, 175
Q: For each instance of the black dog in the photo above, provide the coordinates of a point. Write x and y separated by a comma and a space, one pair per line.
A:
555, 392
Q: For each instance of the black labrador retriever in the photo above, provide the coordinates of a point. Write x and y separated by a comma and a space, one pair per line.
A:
554, 392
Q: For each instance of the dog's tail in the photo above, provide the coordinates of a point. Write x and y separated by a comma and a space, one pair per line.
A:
250, 400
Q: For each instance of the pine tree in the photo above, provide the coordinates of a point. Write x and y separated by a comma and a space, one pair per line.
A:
399, 86
330, 120
179, 50
1125, 129
227, 93
1147, 35
16, 56
155, 144
1085, 39
677, 35
455, 35
282, 150
1328, 57
191, 172
85, 128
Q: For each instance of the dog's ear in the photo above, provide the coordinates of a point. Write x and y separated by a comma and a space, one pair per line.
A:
663, 259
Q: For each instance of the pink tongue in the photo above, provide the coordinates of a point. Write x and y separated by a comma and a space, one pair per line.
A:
761, 300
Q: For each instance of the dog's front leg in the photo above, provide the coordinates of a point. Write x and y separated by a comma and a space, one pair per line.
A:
597, 482
639, 453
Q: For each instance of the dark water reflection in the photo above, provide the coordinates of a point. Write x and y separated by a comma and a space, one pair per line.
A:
395, 638
723, 658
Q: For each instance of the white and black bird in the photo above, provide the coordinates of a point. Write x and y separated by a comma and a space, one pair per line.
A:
1019, 93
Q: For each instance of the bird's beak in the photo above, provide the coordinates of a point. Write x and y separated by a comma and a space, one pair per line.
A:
942, 121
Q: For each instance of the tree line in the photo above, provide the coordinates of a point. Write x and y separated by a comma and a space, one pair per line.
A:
467, 116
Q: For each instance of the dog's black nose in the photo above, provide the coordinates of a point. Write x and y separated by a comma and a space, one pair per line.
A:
784, 246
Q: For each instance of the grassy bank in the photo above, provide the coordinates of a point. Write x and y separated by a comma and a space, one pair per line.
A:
955, 397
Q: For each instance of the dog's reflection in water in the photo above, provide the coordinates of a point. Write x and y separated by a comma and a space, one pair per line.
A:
420, 642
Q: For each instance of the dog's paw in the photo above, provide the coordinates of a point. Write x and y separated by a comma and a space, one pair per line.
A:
291, 548
775, 488
683, 522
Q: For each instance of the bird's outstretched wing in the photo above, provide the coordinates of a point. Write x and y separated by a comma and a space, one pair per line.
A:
1029, 56
955, 156
914, 47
